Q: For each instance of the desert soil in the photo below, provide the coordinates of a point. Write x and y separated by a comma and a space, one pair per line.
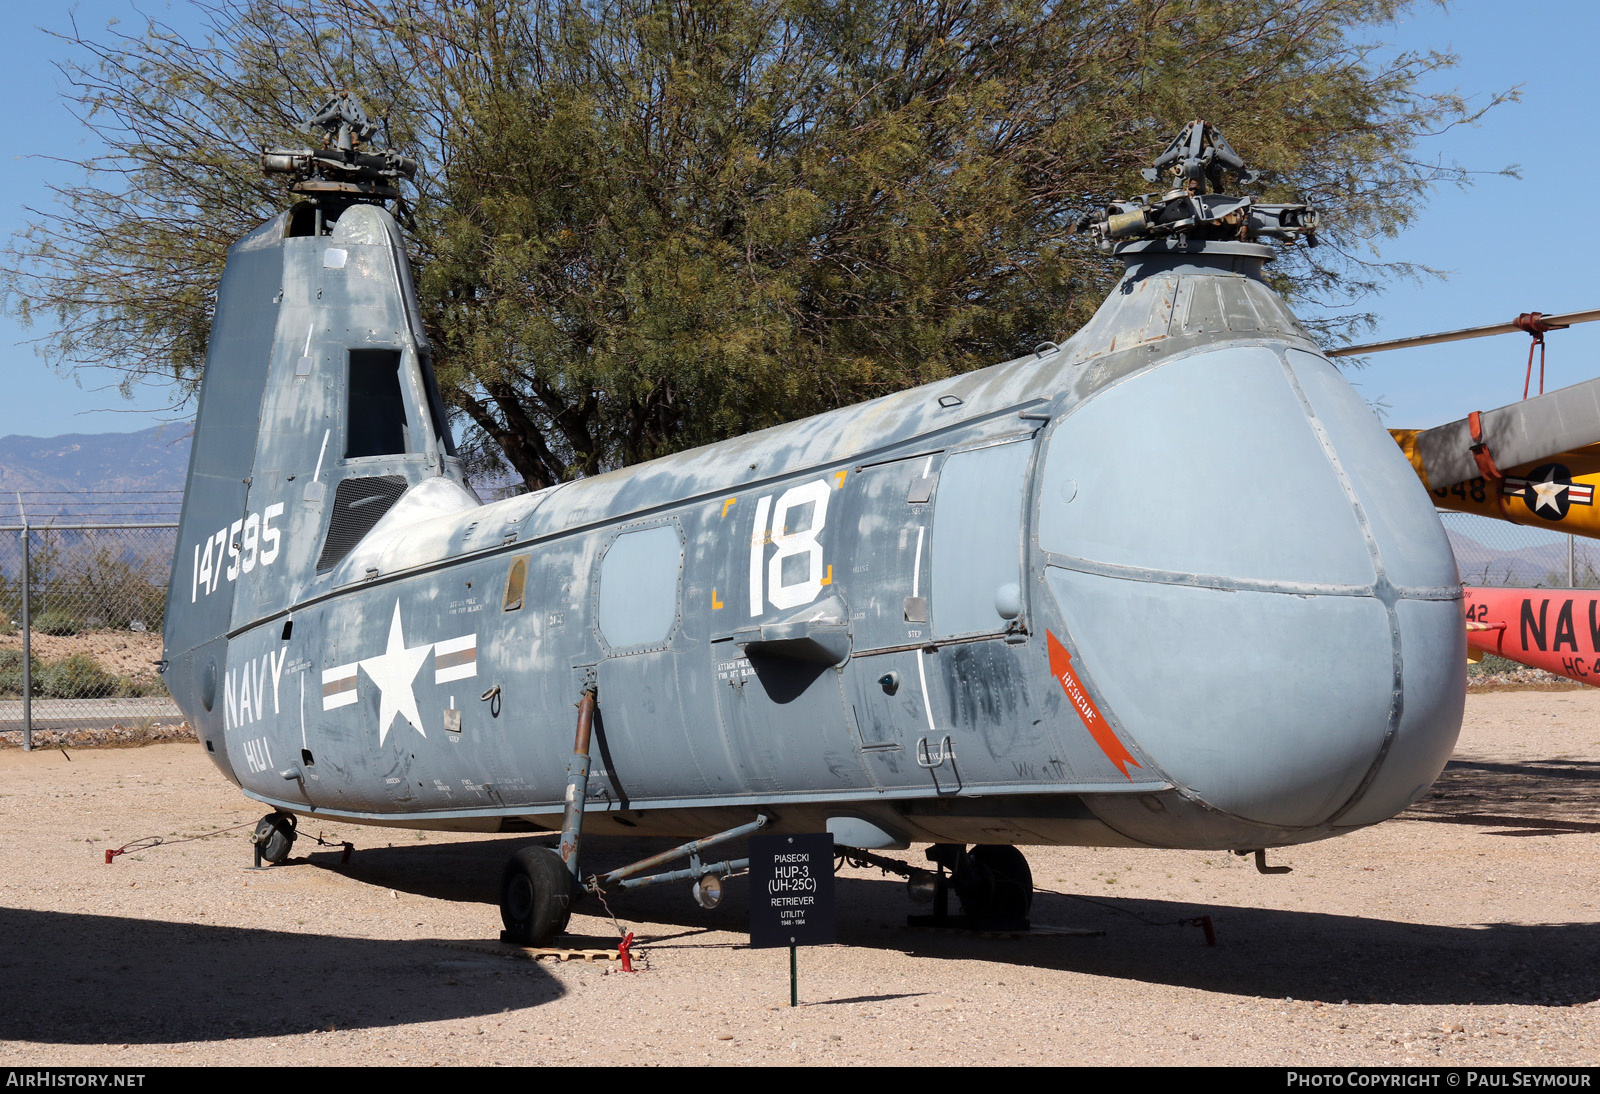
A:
121, 653
1466, 932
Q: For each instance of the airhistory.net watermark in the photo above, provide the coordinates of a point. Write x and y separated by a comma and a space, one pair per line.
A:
46, 1077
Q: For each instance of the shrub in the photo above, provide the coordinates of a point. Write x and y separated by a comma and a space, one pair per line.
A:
76, 676
138, 687
11, 673
58, 623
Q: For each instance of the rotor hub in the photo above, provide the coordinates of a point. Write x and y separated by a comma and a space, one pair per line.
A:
341, 172
1194, 216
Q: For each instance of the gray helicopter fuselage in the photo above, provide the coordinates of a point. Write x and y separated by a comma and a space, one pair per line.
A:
1168, 584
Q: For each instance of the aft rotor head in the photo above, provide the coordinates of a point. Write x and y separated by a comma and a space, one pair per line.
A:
1195, 215
340, 171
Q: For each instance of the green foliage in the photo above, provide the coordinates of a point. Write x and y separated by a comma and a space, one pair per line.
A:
114, 589
58, 623
138, 687
645, 225
76, 676
11, 673
91, 582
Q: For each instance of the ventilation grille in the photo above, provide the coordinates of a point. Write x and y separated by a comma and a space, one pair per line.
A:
358, 504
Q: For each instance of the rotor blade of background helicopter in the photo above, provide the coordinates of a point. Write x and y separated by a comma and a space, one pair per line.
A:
1524, 432
1554, 321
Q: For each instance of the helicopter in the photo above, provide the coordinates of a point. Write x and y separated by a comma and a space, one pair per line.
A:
978, 614
1549, 445
1534, 462
1557, 630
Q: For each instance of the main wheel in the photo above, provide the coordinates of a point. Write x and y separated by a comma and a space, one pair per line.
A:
275, 834
993, 882
535, 896
1011, 881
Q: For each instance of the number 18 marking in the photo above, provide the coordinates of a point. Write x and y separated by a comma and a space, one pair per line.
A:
805, 578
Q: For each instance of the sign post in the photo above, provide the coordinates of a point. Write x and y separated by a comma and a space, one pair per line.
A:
791, 896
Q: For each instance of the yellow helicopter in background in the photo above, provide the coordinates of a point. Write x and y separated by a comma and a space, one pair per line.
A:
1534, 462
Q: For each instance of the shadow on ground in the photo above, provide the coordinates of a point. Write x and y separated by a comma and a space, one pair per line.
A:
1546, 797
1261, 952
90, 979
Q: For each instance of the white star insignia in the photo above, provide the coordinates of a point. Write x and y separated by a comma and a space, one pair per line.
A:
394, 671
1549, 492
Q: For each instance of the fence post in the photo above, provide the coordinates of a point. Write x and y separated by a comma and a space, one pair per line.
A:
27, 637
1571, 581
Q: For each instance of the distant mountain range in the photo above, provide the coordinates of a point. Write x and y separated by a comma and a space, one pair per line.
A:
152, 459
1544, 564
91, 476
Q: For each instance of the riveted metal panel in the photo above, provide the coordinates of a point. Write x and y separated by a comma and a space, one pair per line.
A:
1408, 536
977, 536
1155, 486
1229, 704
1435, 694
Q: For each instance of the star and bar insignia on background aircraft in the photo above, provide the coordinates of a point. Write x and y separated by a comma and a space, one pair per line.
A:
395, 670
1549, 491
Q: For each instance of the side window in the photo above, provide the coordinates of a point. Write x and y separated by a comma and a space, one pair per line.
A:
376, 419
639, 579
516, 584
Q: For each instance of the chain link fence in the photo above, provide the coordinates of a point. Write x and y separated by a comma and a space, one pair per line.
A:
81, 607
1493, 552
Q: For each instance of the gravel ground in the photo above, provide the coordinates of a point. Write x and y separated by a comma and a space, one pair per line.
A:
121, 653
1466, 932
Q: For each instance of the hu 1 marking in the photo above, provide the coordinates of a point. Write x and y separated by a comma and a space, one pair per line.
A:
257, 755
244, 693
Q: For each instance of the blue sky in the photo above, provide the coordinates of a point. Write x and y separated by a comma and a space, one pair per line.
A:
1509, 245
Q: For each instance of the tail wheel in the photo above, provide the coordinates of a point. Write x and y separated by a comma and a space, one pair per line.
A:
274, 835
535, 896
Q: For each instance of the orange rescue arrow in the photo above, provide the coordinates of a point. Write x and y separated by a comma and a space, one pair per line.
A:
1061, 669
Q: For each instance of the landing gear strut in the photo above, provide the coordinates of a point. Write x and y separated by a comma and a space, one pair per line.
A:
274, 838
540, 885
992, 881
